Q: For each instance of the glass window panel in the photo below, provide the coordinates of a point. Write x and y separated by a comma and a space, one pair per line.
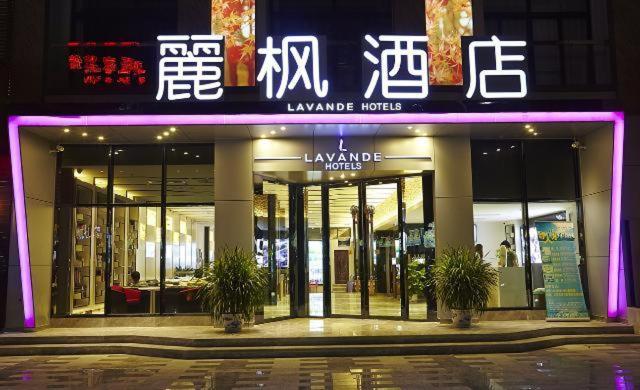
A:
381, 217
547, 64
554, 212
550, 170
496, 169
79, 258
137, 174
313, 208
272, 245
82, 175
498, 235
343, 251
188, 252
419, 247
190, 174
545, 29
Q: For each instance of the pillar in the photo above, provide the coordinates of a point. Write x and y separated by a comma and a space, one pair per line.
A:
233, 192
453, 197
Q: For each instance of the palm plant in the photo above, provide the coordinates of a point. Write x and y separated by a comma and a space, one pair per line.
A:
463, 281
234, 285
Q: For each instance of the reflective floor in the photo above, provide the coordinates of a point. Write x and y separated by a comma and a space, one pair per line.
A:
349, 304
569, 367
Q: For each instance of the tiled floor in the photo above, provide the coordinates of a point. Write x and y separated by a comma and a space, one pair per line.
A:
310, 327
569, 367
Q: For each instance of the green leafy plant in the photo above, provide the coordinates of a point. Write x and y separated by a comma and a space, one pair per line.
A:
463, 281
417, 278
234, 284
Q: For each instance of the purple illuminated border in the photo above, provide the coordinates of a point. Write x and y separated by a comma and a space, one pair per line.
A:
256, 119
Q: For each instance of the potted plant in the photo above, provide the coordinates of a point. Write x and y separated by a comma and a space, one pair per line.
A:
463, 282
233, 289
417, 279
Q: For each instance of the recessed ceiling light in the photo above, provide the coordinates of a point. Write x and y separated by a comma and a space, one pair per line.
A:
159, 137
185, 153
527, 126
172, 129
484, 153
353, 175
342, 176
263, 136
331, 178
84, 134
116, 153
101, 171
531, 130
513, 146
197, 156
497, 150
409, 127
535, 133
66, 130
100, 138
283, 128
166, 133
272, 132
346, 181
120, 150
173, 149
417, 131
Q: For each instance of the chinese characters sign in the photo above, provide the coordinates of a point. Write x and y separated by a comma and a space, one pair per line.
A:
191, 66
293, 68
562, 286
97, 69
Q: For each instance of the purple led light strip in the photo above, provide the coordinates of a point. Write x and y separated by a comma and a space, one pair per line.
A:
282, 119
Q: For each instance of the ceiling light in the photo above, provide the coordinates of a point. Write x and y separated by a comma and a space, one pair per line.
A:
272, 132
166, 133
197, 156
159, 137
185, 153
417, 131
353, 174
513, 146
283, 128
263, 136
409, 127
116, 153
120, 150
172, 129
342, 176
173, 149
84, 134
331, 178
497, 150
66, 130
527, 126
346, 181
535, 133
100, 138
484, 153
531, 130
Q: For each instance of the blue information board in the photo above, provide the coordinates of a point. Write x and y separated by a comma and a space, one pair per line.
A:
563, 290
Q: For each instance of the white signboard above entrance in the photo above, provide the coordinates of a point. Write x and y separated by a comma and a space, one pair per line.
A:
342, 159
395, 68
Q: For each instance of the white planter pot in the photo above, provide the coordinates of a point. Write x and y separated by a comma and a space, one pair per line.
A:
461, 318
232, 322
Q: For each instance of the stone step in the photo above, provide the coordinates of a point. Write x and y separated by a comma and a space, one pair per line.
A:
456, 336
244, 352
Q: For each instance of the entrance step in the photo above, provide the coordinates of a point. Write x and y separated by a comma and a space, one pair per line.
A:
229, 348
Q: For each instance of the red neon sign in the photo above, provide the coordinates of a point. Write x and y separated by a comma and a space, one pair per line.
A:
107, 70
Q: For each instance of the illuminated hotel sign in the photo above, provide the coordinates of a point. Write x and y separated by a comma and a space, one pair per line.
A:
343, 159
293, 69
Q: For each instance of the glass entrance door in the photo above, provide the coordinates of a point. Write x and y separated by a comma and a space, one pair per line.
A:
383, 248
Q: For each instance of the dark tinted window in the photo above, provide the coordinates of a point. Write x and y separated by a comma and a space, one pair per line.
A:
496, 170
550, 170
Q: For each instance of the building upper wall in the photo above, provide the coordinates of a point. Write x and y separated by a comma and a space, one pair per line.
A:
568, 49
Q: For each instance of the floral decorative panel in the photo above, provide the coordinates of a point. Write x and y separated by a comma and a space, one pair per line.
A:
235, 20
447, 21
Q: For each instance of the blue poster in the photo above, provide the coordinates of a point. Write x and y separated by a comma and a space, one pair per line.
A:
563, 290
